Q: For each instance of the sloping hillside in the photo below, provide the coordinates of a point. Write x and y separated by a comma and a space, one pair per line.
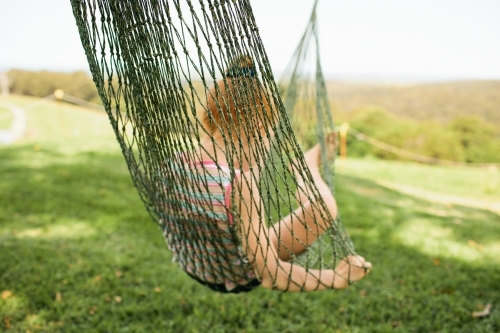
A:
437, 101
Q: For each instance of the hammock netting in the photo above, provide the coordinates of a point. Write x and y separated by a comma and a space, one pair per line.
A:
167, 72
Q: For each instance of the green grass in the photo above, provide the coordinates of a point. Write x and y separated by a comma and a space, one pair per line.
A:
78, 253
472, 183
5, 118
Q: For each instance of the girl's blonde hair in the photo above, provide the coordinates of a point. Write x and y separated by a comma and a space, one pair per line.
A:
237, 102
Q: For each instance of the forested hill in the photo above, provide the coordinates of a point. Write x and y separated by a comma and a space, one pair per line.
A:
437, 101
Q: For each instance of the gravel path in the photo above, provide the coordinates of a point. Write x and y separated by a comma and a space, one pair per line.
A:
18, 127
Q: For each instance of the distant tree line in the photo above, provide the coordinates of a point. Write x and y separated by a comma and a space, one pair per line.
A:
43, 83
463, 139
441, 102
427, 127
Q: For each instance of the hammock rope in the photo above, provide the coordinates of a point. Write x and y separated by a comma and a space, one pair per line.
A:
172, 75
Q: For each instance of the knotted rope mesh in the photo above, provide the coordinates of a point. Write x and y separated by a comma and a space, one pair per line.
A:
172, 75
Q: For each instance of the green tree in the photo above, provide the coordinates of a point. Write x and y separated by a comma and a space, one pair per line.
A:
43, 83
425, 138
478, 139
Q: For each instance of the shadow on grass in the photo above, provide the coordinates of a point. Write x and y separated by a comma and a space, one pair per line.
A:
478, 229
79, 253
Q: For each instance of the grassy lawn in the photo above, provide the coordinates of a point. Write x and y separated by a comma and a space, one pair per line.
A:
482, 184
79, 253
5, 118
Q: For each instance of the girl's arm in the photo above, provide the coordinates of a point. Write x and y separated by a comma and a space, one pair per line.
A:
273, 272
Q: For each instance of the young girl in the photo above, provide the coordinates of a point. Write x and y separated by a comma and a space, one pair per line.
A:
213, 212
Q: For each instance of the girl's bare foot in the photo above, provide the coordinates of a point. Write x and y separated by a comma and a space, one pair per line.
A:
350, 270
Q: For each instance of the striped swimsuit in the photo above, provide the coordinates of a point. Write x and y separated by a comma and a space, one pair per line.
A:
198, 225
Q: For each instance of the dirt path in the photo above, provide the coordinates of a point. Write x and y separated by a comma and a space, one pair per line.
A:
441, 198
18, 127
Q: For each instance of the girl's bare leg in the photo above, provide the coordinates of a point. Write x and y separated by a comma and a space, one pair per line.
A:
296, 232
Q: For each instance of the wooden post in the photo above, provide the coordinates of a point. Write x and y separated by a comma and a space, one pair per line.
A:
343, 140
59, 94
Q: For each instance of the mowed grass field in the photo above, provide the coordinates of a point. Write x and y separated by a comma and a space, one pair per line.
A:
5, 118
78, 252
467, 183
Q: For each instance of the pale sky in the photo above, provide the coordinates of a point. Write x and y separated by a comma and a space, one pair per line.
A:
421, 40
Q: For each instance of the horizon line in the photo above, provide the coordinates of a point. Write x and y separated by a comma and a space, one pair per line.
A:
329, 76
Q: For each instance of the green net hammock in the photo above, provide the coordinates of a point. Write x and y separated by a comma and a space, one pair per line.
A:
168, 73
